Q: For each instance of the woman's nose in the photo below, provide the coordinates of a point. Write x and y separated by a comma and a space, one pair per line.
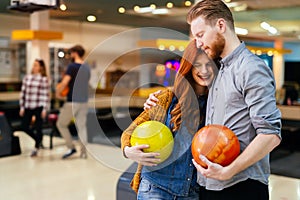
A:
203, 70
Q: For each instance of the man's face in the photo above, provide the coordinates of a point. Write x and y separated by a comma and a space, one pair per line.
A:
72, 54
208, 38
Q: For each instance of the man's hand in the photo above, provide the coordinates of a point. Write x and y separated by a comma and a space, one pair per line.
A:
136, 153
152, 100
213, 170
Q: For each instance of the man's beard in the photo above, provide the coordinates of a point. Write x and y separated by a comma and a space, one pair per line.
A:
217, 47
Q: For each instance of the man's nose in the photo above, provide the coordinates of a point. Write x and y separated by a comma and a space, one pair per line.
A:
199, 43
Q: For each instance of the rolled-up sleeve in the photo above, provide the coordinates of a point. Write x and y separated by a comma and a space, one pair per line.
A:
259, 93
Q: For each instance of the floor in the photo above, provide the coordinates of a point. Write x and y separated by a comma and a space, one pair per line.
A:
49, 177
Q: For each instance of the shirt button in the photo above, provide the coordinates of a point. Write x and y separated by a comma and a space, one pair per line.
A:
191, 165
188, 179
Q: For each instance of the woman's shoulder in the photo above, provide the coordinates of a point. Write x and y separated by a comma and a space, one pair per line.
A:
45, 78
165, 97
167, 92
27, 76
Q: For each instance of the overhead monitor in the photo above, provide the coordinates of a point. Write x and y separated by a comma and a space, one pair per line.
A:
32, 5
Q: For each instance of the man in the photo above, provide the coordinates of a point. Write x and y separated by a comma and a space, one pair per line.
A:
77, 79
242, 97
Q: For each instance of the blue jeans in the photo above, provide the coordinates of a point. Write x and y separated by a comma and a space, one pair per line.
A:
147, 190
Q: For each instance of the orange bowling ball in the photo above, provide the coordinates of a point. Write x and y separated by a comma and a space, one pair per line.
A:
65, 90
217, 143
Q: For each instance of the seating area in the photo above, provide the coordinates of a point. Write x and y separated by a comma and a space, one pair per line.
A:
104, 125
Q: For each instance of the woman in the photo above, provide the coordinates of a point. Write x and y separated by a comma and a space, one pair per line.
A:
182, 109
34, 101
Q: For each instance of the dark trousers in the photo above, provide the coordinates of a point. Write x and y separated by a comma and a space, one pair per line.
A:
26, 125
246, 190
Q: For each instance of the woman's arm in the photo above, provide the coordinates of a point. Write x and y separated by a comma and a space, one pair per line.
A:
45, 98
157, 113
22, 97
136, 153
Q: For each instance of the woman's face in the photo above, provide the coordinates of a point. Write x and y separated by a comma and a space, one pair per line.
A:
203, 70
36, 68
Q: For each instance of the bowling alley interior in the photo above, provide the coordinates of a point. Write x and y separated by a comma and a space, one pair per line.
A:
132, 48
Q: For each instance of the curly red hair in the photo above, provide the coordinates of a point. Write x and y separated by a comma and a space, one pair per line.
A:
187, 108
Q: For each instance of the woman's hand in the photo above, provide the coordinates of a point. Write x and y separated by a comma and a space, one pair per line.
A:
136, 153
152, 100
21, 113
44, 114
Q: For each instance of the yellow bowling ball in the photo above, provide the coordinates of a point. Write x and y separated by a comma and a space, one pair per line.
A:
157, 135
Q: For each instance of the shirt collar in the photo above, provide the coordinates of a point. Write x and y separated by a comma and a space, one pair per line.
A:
227, 61
38, 74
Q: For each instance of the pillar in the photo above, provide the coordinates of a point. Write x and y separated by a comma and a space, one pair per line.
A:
38, 48
278, 65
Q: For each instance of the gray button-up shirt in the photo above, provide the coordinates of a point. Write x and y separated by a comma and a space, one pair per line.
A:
242, 97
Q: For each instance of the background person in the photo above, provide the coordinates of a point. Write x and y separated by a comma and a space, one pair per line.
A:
77, 79
34, 101
182, 109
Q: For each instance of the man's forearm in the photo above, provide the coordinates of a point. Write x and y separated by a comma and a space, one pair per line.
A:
255, 151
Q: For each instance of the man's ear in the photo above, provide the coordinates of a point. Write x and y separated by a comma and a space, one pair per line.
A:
221, 25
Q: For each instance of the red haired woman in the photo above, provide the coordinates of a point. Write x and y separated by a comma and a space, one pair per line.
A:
182, 109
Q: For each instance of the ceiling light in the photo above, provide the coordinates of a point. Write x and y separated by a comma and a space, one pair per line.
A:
241, 31
241, 7
161, 47
136, 8
187, 3
91, 18
258, 52
273, 30
161, 11
153, 6
265, 25
61, 54
170, 5
270, 53
227, 1
63, 7
181, 48
144, 10
233, 4
172, 47
237, 6
121, 10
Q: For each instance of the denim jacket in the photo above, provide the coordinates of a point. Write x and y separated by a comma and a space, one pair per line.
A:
177, 174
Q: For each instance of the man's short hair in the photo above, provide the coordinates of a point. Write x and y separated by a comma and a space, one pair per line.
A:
211, 11
78, 49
